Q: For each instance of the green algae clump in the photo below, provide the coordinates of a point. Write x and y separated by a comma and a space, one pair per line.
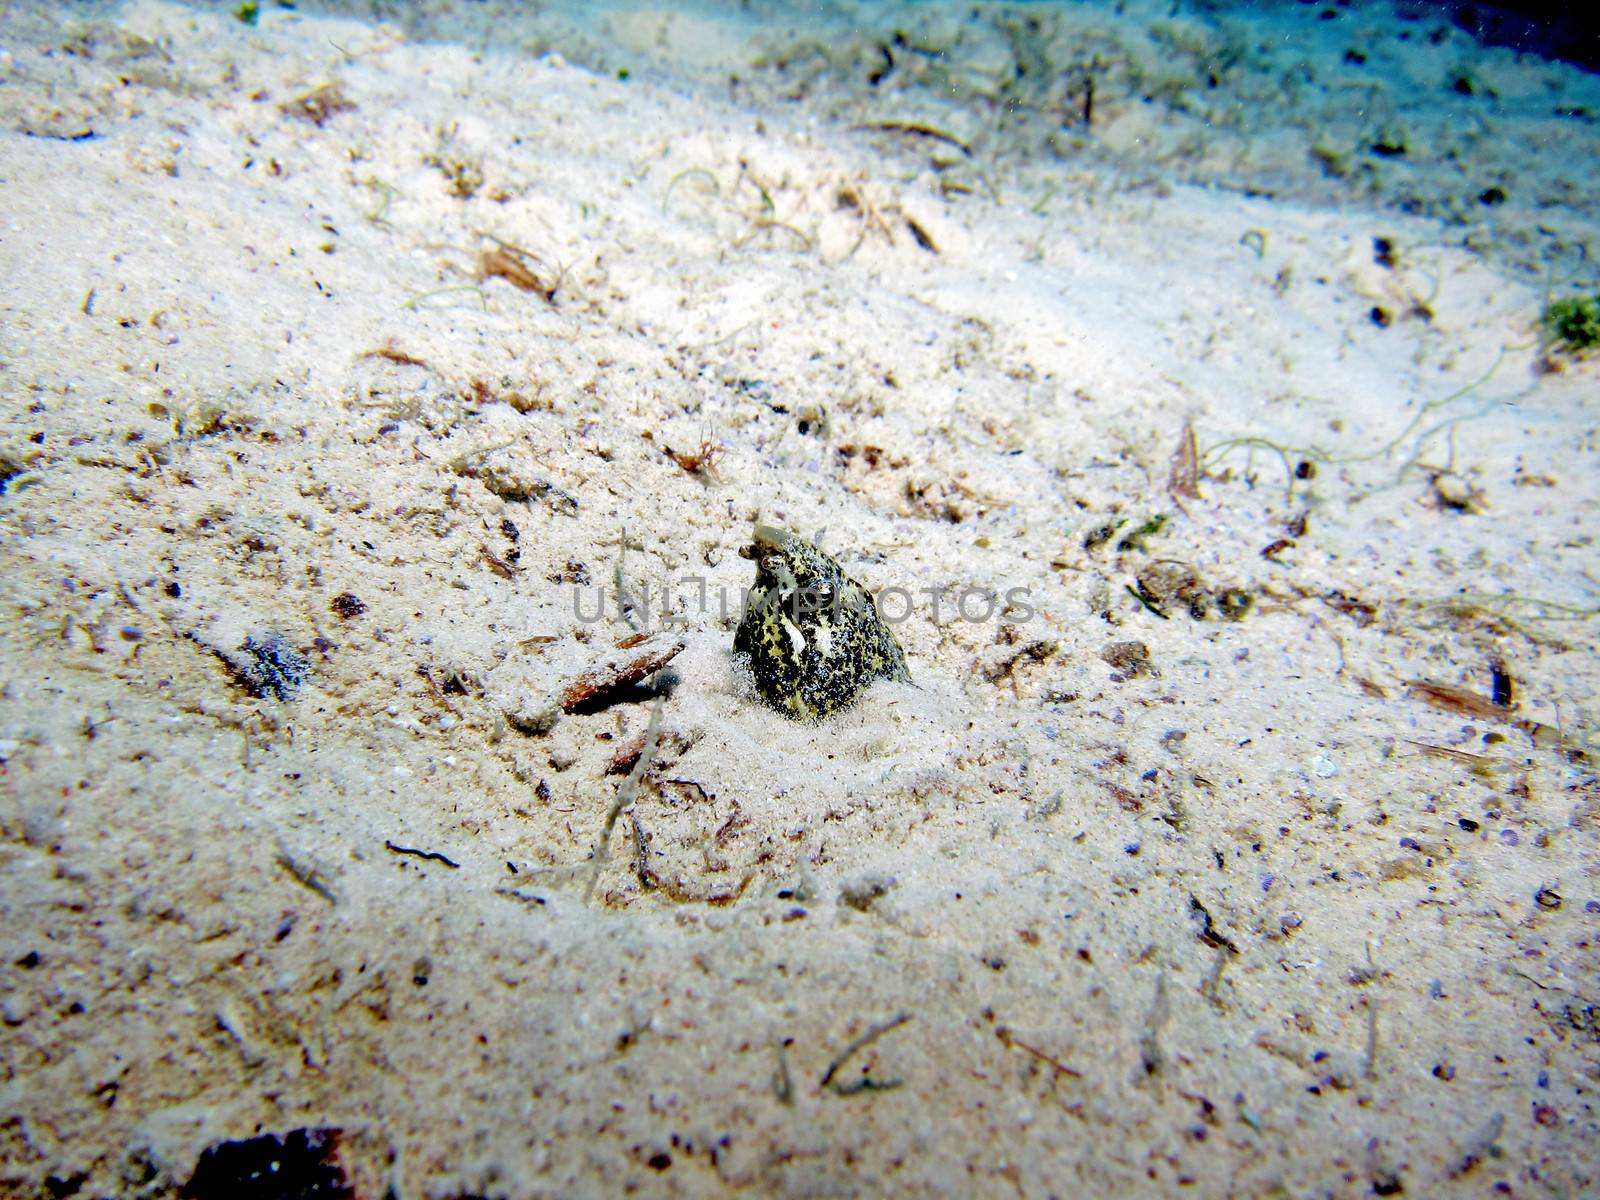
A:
1574, 323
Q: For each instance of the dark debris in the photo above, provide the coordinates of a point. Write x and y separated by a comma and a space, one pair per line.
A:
299, 1165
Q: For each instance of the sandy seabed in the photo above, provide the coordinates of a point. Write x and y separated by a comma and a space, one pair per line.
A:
347, 370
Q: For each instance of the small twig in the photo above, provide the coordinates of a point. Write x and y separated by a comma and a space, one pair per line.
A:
616, 671
1550, 987
625, 795
782, 1085
1183, 481
866, 1039
865, 1084
1459, 700
432, 855
394, 354
512, 893
1371, 1065
641, 864
921, 130
308, 875
510, 263
1010, 1039
1150, 1054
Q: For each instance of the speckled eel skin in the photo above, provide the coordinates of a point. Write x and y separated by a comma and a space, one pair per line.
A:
813, 634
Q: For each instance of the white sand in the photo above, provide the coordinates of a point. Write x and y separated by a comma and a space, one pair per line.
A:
1259, 918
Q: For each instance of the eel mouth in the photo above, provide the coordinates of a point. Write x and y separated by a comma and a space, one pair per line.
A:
765, 540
